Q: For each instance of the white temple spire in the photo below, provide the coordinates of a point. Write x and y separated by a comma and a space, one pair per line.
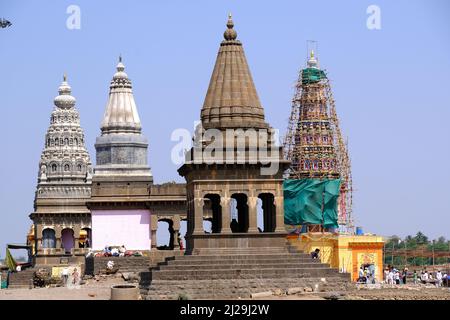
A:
121, 114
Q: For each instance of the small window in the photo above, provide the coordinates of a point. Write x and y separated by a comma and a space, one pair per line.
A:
66, 167
54, 167
79, 167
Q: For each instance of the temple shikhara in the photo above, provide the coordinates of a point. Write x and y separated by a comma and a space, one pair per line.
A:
315, 145
268, 205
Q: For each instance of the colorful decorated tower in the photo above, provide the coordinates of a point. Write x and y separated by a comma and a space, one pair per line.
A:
314, 142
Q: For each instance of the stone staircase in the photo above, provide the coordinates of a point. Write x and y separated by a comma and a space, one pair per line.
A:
97, 265
233, 273
21, 279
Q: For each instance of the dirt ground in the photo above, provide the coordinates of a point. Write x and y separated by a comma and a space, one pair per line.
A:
101, 290
91, 290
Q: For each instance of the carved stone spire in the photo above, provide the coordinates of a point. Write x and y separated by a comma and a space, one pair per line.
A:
232, 100
64, 157
121, 150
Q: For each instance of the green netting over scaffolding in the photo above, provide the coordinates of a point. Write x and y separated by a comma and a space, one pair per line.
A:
311, 201
312, 75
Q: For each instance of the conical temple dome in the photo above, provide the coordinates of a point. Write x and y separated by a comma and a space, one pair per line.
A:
232, 100
121, 114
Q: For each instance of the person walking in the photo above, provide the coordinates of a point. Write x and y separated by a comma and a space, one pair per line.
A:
65, 275
404, 275
391, 277
438, 278
75, 276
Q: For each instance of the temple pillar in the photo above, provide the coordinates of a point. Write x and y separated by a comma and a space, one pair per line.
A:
58, 236
225, 204
176, 230
76, 237
252, 214
279, 211
153, 229
198, 215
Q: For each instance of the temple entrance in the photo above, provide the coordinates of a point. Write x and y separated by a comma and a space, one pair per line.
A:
67, 240
239, 213
48, 238
268, 212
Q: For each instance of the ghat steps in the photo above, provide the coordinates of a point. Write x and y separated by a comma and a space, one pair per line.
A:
233, 273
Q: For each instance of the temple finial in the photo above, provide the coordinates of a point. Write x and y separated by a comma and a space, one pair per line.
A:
65, 77
312, 61
230, 33
120, 57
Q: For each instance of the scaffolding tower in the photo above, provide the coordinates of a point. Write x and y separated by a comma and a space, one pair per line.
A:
314, 142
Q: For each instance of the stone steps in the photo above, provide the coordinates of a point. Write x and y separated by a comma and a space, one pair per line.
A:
257, 265
241, 273
21, 279
237, 261
219, 289
244, 256
237, 272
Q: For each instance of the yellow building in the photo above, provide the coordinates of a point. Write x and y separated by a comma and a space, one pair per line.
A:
346, 252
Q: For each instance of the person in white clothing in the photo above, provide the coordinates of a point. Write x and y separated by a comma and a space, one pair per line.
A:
391, 277
438, 278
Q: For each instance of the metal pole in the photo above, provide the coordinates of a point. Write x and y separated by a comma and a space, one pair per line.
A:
406, 255
433, 252
392, 254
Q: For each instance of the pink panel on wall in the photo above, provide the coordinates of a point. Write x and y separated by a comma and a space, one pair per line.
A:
121, 227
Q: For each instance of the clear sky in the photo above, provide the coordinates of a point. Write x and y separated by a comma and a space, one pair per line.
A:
391, 87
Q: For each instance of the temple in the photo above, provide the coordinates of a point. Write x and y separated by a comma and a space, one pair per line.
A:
238, 178
61, 219
229, 175
320, 165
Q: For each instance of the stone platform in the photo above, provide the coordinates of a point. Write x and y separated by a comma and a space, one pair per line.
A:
232, 273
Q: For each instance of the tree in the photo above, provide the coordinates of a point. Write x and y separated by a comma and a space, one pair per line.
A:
421, 238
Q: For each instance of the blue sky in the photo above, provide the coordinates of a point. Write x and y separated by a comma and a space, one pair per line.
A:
391, 87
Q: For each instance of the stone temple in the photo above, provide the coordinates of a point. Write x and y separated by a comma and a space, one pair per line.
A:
64, 184
232, 108
234, 180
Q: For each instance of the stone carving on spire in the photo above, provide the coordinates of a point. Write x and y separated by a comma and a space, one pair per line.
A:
64, 160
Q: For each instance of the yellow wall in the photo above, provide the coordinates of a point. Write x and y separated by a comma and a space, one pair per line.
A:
345, 252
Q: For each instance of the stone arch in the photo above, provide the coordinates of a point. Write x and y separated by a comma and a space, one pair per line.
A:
48, 238
54, 167
212, 202
268, 211
165, 232
66, 167
67, 240
239, 213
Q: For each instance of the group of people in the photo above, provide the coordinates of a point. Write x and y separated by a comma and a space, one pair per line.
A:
366, 275
393, 276
439, 278
65, 276
114, 251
